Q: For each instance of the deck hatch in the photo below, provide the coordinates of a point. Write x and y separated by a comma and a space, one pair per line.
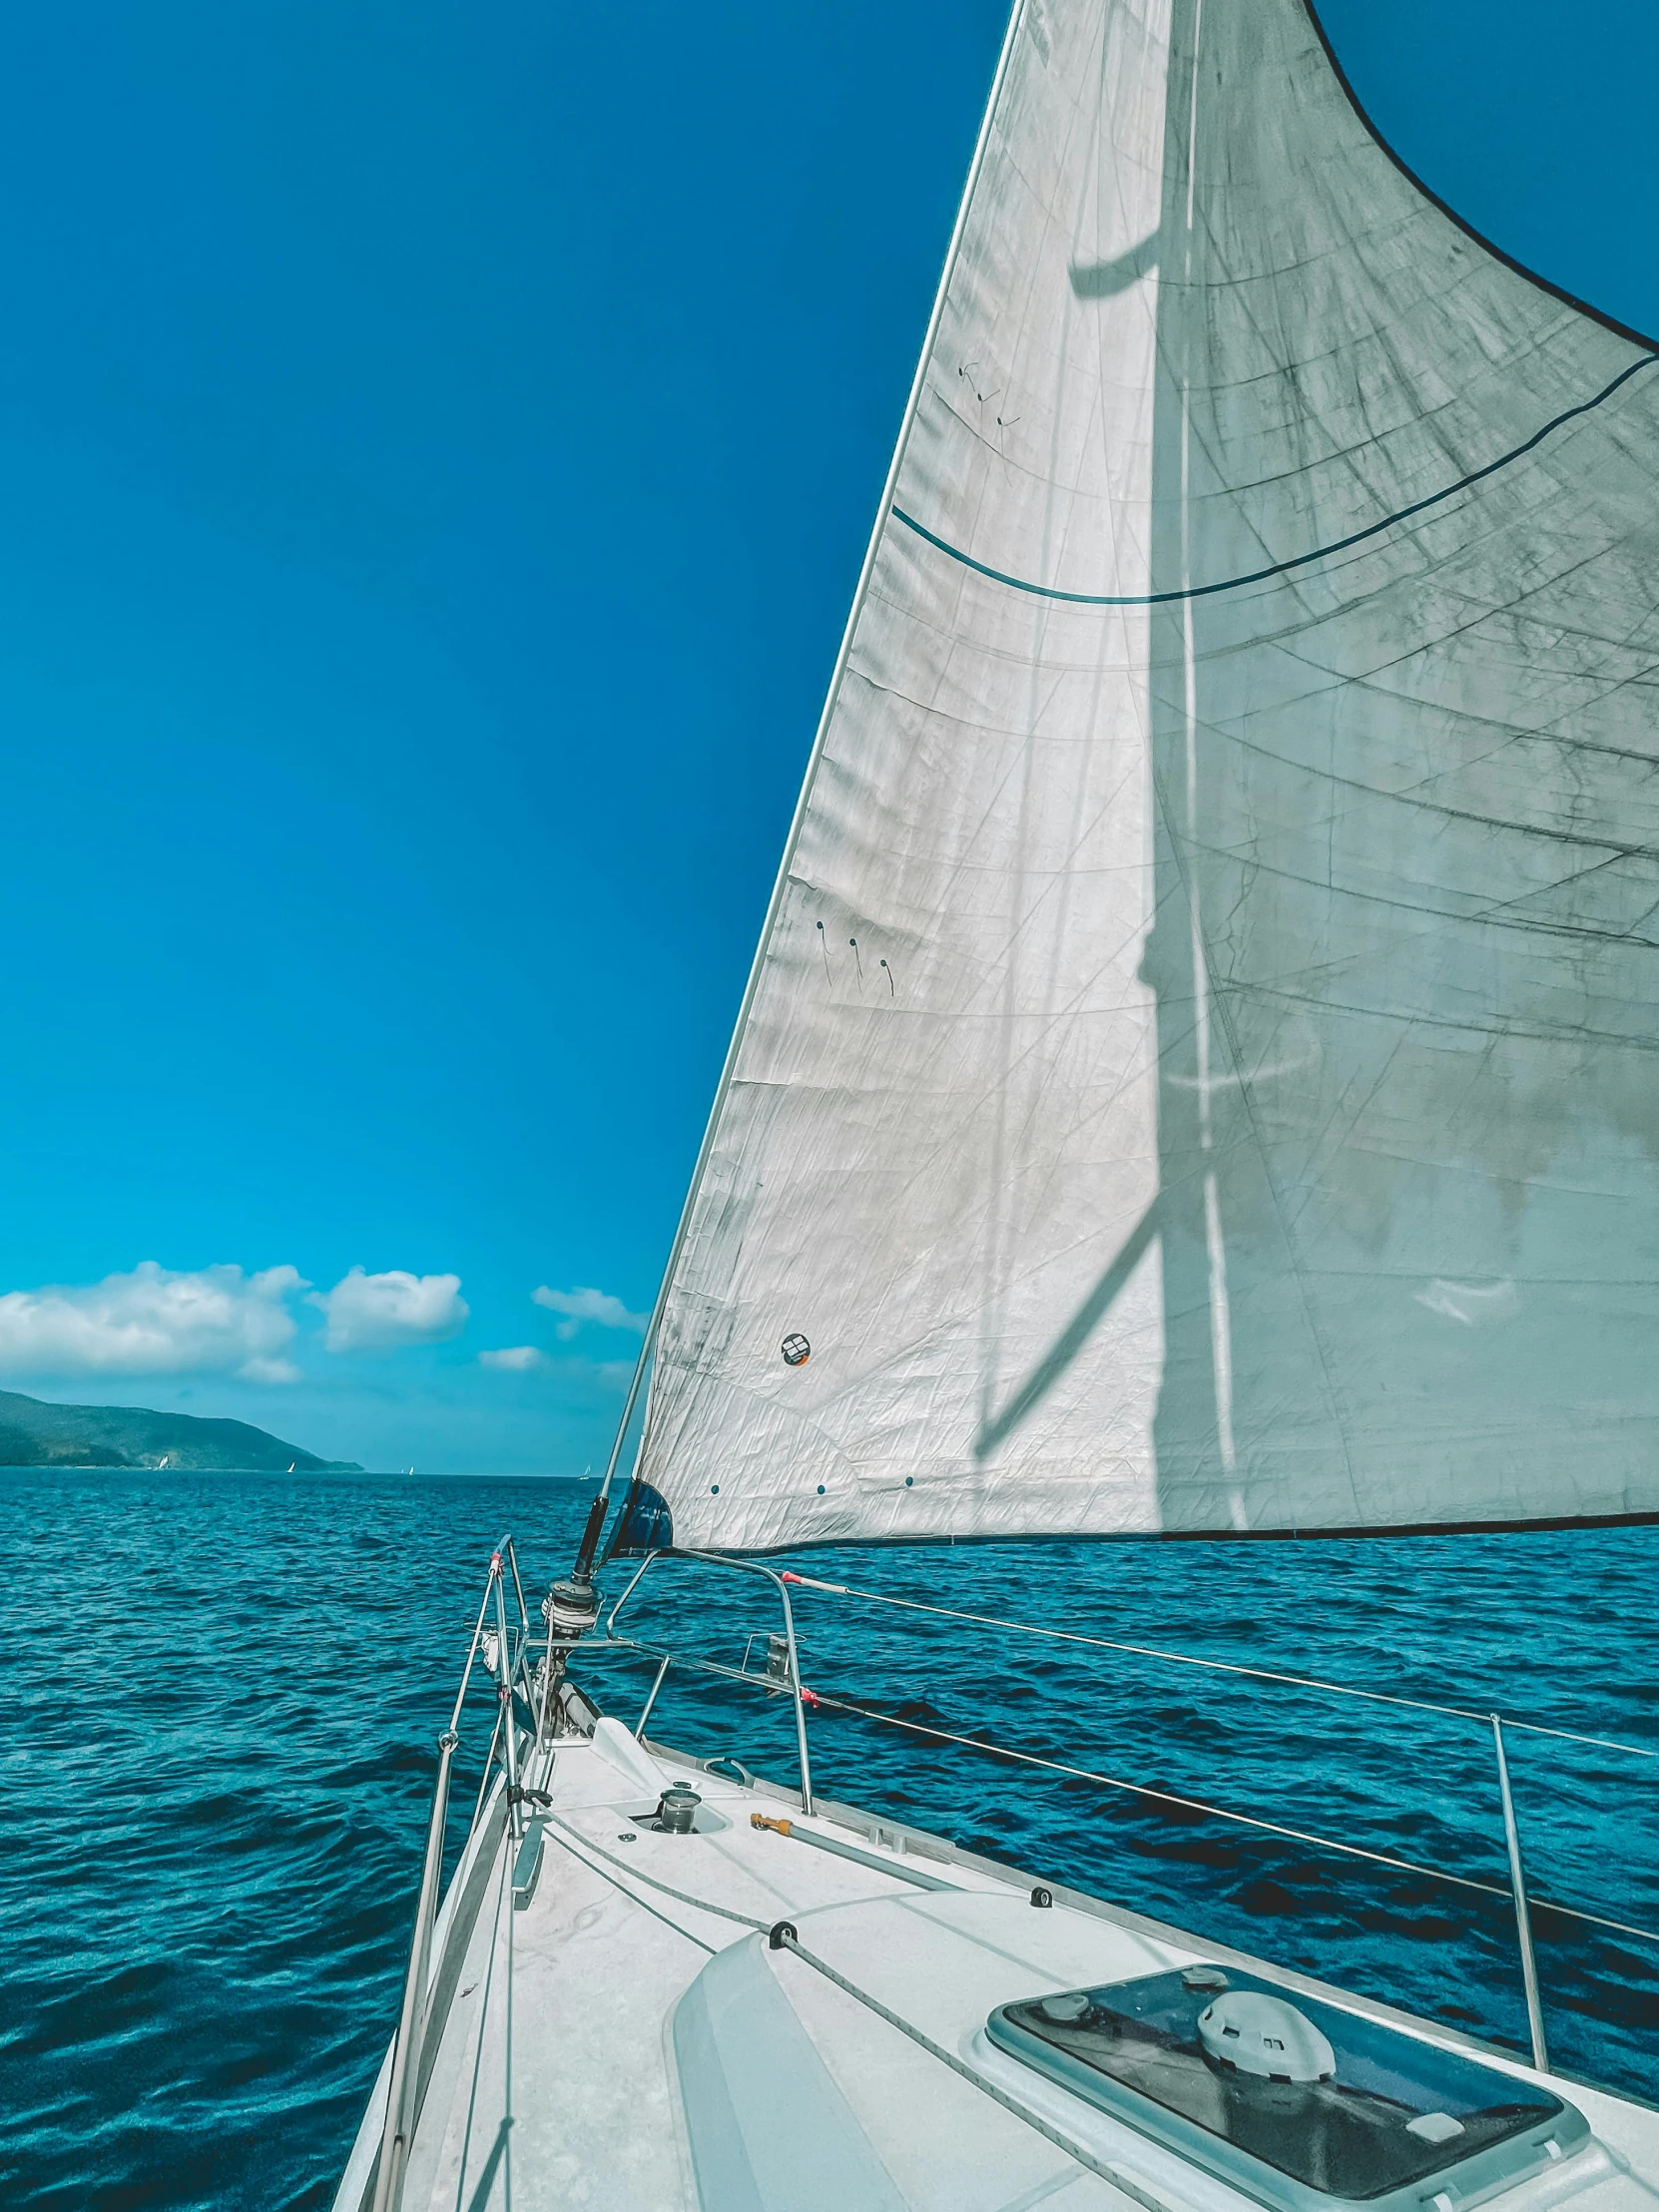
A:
1393, 2122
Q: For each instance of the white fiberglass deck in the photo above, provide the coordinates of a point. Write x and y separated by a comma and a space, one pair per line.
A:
608, 2045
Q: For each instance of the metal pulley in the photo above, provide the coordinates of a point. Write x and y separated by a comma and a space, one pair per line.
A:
570, 1610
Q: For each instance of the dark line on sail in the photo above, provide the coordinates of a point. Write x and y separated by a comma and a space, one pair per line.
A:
1479, 238
1340, 1532
1296, 560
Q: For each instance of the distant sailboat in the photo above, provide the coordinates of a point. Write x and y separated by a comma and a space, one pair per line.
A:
1218, 918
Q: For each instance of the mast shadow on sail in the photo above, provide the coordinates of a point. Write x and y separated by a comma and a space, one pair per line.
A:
1072, 1338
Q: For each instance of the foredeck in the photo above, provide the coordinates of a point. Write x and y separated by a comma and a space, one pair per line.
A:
626, 2037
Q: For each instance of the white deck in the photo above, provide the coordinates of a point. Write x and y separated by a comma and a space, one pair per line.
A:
608, 2047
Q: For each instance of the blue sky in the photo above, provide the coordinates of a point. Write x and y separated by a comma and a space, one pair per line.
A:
436, 448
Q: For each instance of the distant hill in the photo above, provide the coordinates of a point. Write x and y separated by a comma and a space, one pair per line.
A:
36, 1435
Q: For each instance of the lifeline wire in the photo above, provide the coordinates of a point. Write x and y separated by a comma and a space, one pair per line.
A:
1141, 1788
1217, 1666
1218, 1811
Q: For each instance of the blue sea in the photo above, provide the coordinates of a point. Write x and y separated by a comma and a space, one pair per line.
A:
223, 1694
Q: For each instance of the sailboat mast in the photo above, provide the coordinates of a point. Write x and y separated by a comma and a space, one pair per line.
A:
589, 1548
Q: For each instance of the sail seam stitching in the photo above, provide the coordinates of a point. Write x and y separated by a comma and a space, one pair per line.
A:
1296, 560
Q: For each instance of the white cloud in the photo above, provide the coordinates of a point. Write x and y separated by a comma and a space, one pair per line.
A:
155, 1321
598, 1307
376, 1313
514, 1359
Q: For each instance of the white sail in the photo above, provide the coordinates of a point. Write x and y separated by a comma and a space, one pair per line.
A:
1200, 1068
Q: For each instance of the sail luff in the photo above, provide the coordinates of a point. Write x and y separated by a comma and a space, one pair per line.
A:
994, 1003
792, 839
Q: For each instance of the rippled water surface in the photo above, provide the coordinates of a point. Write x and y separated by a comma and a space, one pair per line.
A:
225, 1690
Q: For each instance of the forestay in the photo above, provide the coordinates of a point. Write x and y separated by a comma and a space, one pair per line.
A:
1199, 1072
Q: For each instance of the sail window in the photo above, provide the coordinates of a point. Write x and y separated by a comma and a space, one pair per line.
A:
1294, 2102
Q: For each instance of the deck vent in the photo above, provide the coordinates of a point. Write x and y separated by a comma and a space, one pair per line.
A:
1247, 2032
